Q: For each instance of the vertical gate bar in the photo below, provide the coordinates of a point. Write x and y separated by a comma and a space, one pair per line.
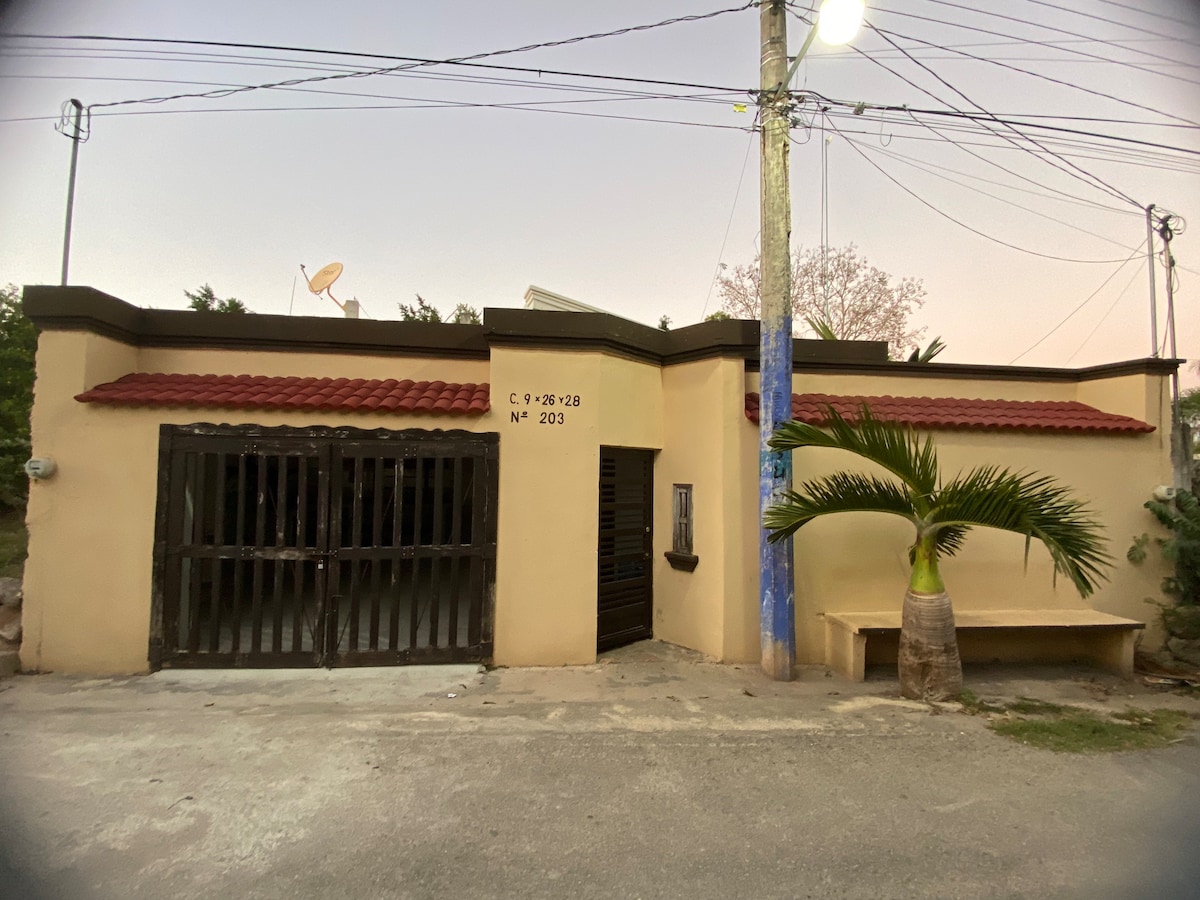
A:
260, 538
333, 571
488, 520
415, 599
301, 543
278, 566
173, 565
397, 542
456, 491
480, 539
648, 536
238, 567
328, 498
356, 541
435, 562
377, 551
218, 563
199, 502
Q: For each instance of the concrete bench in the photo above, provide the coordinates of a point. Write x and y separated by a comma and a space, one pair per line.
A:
1007, 635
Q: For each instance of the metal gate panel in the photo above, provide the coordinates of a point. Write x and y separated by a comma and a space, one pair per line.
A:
624, 580
412, 550
299, 547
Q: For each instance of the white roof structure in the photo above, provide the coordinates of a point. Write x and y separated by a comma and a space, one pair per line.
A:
540, 298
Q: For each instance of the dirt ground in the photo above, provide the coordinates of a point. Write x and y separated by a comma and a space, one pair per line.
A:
654, 773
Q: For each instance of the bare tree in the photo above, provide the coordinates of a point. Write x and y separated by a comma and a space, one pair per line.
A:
839, 289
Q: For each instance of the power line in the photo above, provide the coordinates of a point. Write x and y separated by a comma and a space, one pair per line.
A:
959, 222
438, 105
728, 225
608, 95
1008, 118
989, 117
1141, 160
1002, 137
414, 60
1111, 276
1038, 75
927, 167
1094, 17
1146, 12
221, 59
1107, 312
469, 79
1095, 180
1054, 28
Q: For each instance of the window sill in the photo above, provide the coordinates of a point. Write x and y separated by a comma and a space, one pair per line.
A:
684, 562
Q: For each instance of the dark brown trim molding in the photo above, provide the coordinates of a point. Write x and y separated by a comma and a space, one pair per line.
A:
87, 309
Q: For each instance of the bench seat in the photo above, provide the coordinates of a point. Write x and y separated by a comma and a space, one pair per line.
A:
987, 635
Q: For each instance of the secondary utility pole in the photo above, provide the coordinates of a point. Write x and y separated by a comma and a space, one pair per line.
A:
1180, 456
76, 135
1150, 269
777, 602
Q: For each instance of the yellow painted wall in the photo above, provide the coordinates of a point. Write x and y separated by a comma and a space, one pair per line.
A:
859, 562
699, 609
91, 527
88, 581
549, 492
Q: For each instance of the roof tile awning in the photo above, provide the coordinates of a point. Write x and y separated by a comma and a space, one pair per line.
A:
293, 393
951, 413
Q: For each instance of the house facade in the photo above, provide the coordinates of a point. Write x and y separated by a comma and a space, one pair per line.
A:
289, 491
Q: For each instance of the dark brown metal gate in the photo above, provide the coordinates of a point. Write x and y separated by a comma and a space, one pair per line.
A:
625, 584
285, 547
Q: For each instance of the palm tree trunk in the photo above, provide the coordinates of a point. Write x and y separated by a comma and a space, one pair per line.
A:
929, 664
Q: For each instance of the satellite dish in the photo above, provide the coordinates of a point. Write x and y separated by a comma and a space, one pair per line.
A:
324, 279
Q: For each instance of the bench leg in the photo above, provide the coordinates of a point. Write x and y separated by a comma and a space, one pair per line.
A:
1115, 652
845, 651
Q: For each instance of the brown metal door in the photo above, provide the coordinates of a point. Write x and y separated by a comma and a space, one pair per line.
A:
301, 547
625, 585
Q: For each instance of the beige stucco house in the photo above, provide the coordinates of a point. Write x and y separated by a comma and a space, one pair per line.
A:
278, 491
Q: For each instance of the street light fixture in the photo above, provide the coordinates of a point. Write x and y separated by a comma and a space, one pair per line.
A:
837, 23
839, 20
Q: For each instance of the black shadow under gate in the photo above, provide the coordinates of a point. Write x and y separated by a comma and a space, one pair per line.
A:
282, 547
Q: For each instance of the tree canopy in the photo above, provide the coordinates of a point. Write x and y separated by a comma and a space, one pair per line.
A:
1189, 406
205, 300
424, 311
838, 289
18, 344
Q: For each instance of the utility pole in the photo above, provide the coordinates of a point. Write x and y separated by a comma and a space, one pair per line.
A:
76, 136
777, 608
1150, 269
1180, 457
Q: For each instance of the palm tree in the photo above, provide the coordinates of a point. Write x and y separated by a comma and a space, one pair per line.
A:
942, 514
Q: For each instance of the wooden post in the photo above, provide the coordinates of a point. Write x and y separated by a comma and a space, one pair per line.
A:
777, 612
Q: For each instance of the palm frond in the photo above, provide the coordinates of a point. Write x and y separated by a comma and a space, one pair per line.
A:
949, 541
896, 448
837, 493
1031, 505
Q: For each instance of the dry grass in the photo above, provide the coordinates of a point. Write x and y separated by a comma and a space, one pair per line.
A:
1073, 729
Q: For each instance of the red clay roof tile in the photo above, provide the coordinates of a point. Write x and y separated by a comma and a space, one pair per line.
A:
309, 394
952, 412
